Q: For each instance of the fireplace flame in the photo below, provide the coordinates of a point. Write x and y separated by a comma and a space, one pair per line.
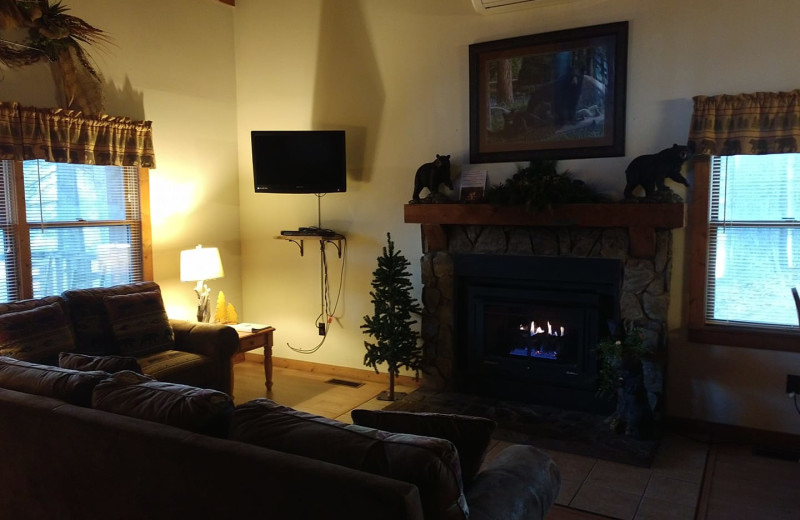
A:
534, 330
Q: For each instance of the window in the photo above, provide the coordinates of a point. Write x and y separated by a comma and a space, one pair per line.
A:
66, 226
745, 251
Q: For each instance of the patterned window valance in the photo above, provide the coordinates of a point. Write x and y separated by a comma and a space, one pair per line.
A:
62, 135
749, 124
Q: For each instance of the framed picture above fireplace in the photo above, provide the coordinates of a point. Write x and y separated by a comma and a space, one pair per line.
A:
556, 95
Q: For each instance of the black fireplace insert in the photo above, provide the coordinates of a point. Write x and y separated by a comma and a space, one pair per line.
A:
526, 327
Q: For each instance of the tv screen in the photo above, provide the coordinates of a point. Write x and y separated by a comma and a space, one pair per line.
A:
299, 161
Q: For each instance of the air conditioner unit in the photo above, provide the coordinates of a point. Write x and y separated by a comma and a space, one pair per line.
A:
500, 6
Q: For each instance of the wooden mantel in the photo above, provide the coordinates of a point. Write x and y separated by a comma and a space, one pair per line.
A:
641, 220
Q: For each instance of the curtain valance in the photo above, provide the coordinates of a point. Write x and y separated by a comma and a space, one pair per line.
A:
62, 135
749, 124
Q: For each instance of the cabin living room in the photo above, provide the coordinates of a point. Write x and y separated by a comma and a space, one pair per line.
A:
208, 72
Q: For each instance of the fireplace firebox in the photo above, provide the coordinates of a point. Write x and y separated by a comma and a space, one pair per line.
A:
526, 326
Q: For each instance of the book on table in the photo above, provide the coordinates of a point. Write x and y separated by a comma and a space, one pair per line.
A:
249, 327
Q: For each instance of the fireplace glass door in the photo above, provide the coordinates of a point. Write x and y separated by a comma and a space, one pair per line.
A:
526, 328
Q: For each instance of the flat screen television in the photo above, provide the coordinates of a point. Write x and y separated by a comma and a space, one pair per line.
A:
299, 161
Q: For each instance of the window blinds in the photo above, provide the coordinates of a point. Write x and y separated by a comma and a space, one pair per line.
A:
754, 240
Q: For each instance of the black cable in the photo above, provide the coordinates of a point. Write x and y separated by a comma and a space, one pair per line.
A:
329, 313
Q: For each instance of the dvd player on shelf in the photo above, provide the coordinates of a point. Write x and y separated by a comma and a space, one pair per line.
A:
309, 233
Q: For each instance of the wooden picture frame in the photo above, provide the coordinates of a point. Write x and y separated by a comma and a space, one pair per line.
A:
556, 95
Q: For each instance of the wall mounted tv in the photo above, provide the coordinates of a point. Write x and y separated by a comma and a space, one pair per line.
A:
299, 161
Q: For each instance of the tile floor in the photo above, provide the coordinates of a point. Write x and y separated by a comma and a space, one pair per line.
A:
667, 490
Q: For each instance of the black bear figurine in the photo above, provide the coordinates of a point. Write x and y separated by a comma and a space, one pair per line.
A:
431, 175
650, 171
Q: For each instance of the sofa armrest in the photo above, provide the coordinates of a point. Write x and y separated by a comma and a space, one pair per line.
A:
208, 339
522, 482
218, 342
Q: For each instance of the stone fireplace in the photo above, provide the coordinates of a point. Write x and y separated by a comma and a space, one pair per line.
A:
499, 284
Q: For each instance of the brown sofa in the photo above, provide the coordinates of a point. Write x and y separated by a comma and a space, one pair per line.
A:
86, 445
124, 321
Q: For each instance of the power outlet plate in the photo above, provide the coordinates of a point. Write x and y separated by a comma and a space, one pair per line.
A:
792, 384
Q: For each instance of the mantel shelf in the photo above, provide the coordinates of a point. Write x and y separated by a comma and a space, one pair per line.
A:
641, 219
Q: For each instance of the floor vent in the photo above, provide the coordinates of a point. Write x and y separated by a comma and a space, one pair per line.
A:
342, 382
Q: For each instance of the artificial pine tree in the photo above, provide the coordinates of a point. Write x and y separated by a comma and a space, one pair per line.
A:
397, 342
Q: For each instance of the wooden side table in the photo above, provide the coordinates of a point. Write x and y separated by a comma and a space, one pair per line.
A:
253, 340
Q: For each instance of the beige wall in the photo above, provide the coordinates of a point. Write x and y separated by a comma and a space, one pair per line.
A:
172, 63
393, 73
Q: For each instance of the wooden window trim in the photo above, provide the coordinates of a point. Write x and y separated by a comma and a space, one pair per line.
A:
23, 238
147, 237
700, 331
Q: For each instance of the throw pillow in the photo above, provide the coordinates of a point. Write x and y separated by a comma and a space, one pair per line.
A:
37, 335
110, 364
90, 319
199, 410
139, 323
430, 464
470, 435
72, 386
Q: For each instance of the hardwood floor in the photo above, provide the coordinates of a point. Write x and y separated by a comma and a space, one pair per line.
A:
689, 479
312, 392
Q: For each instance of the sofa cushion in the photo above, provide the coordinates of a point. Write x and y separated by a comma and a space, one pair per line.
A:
430, 464
177, 366
90, 322
199, 410
470, 435
139, 323
26, 305
72, 386
85, 362
37, 334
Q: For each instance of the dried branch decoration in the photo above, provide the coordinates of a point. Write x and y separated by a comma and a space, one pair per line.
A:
58, 37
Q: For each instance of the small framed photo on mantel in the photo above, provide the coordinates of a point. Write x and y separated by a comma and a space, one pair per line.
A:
472, 184
556, 95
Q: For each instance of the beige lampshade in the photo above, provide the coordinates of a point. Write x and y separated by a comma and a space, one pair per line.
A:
201, 263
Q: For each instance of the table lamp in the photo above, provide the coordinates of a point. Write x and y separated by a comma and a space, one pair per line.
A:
198, 265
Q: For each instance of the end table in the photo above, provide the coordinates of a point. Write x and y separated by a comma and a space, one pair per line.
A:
253, 340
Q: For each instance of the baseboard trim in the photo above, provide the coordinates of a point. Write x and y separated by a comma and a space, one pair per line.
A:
334, 370
718, 432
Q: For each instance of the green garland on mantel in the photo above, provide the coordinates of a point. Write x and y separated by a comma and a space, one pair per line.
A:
540, 186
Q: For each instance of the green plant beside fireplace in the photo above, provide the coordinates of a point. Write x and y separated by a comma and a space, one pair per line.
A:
623, 350
621, 375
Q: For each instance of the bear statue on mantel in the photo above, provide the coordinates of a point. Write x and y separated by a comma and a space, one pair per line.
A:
431, 175
650, 172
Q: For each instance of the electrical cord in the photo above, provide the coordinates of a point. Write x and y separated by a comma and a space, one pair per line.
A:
328, 312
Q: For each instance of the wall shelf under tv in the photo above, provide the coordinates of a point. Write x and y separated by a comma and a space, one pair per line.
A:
335, 239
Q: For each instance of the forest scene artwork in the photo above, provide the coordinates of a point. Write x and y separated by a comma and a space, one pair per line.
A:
558, 95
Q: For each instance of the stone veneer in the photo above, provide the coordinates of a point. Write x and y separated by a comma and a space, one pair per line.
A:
644, 295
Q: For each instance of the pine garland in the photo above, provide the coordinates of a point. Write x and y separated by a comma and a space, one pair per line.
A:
539, 186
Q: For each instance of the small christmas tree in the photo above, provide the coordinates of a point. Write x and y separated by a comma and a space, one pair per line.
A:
397, 343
